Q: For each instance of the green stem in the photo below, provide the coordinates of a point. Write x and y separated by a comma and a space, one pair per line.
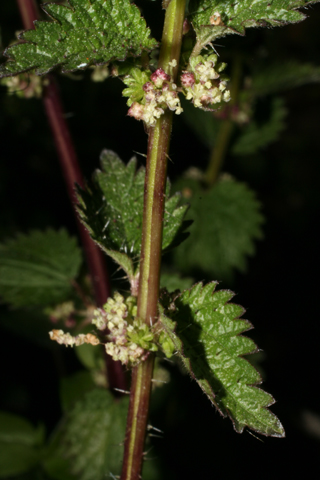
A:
218, 153
155, 183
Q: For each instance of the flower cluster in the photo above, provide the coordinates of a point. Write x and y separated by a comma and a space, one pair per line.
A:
70, 341
64, 312
203, 84
129, 339
25, 85
156, 95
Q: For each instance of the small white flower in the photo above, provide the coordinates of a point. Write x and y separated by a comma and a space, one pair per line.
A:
227, 96
173, 63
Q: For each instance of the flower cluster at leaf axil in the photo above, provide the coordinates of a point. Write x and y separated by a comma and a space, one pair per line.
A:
127, 338
150, 94
202, 82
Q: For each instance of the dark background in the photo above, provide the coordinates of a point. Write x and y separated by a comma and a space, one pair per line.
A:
280, 290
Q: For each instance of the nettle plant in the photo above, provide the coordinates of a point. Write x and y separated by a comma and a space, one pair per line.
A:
130, 215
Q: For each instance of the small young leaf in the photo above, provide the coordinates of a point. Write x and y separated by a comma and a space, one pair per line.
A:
255, 136
18, 445
227, 221
91, 439
112, 211
87, 32
206, 333
38, 268
212, 19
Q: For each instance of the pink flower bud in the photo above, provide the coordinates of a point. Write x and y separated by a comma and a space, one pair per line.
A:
136, 110
147, 87
186, 26
160, 76
187, 79
206, 99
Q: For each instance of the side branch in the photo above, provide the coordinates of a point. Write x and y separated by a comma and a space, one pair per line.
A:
72, 174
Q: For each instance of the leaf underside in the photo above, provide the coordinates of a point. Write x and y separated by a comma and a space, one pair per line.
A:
206, 332
112, 210
227, 220
87, 32
238, 15
38, 268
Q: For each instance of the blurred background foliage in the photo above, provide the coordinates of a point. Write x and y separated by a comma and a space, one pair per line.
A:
269, 153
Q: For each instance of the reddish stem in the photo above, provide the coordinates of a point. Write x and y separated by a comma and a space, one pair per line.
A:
29, 12
72, 174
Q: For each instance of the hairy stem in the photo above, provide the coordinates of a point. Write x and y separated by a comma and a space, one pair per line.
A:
72, 174
154, 196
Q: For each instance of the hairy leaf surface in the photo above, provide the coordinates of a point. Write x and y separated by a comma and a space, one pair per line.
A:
112, 211
205, 329
89, 444
38, 268
87, 32
227, 220
212, 19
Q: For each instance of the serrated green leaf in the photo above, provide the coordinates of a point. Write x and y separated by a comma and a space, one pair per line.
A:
256, 136
38, 268
227, 220
283, 76
87, 32
19, 440
236, 16
91, 439
112, 210
205, 329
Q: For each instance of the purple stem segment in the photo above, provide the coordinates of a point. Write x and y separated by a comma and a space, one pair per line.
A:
72, 174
